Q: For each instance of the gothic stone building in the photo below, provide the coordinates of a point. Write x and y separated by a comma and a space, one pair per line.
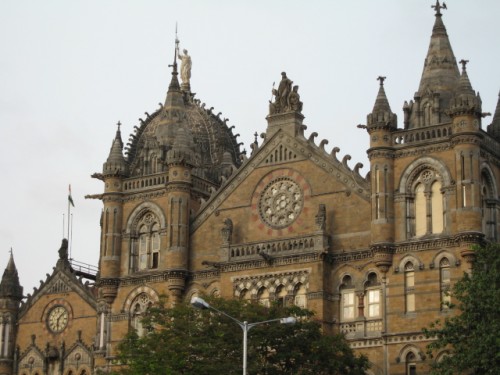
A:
186, 213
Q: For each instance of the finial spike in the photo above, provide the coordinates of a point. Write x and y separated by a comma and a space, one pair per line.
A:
464, 63
118, 124
438, 7
381, 79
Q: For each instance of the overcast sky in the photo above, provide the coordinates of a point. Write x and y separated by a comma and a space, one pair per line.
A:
70, 70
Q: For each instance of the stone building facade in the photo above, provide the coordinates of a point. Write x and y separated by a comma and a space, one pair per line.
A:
186, 213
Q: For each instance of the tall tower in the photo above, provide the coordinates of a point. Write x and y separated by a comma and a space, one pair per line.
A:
180, 159
11, 293
381, 123
114, 170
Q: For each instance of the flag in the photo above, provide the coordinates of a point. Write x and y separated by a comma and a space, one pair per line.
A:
70, 199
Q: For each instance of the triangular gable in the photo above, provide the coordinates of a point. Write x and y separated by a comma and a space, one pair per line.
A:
62, 280
281, 149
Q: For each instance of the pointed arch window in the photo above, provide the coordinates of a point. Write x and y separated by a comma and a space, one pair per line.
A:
139, 306
145, 249
347, 299
300, 298
263, 297
489, 209
372, 296
425, 205
281, 296
411, 365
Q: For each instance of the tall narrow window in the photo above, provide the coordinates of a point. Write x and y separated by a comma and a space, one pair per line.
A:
138, 307
411, 366
437, 207
263, 296
409, 287
445, 280
300, 296
373, 296
281, 294
420, 211
488, 206
347, 299
155, 246
143, 248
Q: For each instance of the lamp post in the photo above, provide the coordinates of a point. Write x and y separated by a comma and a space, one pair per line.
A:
200, 303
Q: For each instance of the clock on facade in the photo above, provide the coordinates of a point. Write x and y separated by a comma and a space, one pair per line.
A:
58, 319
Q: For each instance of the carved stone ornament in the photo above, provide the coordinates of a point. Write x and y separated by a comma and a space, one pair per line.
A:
281, 202
286, 98
227, 231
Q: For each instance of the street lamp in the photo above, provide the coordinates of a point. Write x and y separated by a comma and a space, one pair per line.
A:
200, 303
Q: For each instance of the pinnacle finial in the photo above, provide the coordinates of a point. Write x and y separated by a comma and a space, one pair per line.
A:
118, 124
464, 63
438, 7
381, 79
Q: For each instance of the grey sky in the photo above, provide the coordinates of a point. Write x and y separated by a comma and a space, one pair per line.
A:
69, 70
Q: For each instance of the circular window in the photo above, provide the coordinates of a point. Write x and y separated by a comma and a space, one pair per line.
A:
281, 202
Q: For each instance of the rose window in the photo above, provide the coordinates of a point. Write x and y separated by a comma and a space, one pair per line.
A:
281, 203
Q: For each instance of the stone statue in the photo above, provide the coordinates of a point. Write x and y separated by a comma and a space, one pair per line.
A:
284, 89
286, 99
294, 100
185, 66
63, 251
227, 231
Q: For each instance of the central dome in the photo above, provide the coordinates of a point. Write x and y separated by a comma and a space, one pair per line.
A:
204, 134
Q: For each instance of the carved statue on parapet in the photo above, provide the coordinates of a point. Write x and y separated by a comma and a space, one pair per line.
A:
227, 231
63, 251
285, 99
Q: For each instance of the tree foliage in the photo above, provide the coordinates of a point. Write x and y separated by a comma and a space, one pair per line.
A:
184, 340
471, 338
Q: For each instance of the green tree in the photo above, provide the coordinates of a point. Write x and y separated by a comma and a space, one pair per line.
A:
472, 337
184, 340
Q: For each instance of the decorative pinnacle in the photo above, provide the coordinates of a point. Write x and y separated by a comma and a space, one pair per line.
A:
381, 79
438, 7
118, 124
255, 135
464, 63
174, 65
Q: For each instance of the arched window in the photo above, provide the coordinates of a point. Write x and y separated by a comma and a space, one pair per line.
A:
372, 296
425, 211
281, 294
245, 295
145, 249
347, 299
488, 206
445, 281
137, 309
409, 287
299, 293
263, 297
411, 365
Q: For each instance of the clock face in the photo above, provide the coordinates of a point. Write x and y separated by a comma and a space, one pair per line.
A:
58, 319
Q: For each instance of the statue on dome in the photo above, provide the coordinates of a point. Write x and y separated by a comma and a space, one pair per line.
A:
185, 65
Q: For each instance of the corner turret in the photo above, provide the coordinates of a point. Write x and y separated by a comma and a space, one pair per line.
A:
11, 294
116, 164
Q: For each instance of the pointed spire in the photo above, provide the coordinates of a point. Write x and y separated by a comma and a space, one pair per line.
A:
9, 285
382, 114
174, 93
440, 73
494, 128
465, 100
116, 162
464, 85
